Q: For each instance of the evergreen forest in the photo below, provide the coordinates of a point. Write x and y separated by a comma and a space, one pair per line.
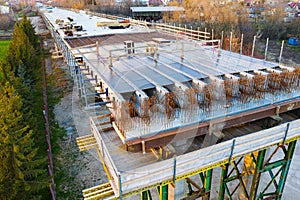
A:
23, 149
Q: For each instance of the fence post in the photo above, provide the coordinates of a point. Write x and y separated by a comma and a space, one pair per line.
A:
230, 42
253, 45
266, 50
241, 48
281, 51
222, 38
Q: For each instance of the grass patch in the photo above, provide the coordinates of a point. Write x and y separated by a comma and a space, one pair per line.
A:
3, 48
297, 48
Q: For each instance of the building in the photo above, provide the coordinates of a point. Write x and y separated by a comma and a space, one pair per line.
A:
4, 10
153, 13
179, 109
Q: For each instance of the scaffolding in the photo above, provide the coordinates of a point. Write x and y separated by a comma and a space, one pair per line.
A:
243, 160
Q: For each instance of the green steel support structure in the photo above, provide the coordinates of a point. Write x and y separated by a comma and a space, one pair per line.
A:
277, 170
204, 190
163, 192
223, 185
256, 177
288, 158
146, 195
189, 188
282, 166
206, 178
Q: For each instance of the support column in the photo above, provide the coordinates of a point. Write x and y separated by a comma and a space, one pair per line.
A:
257, 174
212, 138
248, 170
146, 195
222, 182
78, 77
163, 192
288, 158
235, 176
207, 184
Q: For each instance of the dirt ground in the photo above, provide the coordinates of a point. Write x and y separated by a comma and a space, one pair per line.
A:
290, 56
81, 170
84, 168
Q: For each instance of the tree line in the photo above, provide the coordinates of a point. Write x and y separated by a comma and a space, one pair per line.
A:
266, 20
23, 150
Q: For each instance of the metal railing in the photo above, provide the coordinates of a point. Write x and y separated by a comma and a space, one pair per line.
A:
110, 165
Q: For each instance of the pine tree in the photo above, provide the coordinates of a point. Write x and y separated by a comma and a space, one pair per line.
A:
28, 29
22, 55
24, 64
20, 168
20, 88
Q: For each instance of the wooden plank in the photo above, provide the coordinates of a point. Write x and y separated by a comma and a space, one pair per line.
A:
155, 153
102, 116
80, 143
87, 147
194, 184
122, 137
103, 123
97, 192
85, 136
171, 191
107, 129
87, 139
96, 187
100, 196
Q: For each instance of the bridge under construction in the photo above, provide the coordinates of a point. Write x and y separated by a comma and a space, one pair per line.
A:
182, 112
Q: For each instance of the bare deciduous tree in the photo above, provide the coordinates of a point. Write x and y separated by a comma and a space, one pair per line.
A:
5, 22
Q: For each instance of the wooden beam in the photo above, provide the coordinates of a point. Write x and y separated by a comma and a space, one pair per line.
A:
194, 184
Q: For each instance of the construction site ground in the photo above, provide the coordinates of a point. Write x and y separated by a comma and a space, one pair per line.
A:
290, 55
83, 169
